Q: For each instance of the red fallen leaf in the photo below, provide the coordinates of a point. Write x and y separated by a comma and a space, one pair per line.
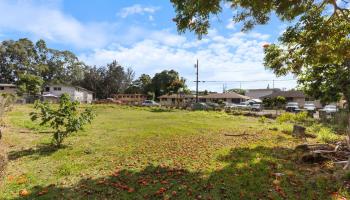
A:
280, 191
142, 182
173, 193
130, 190
161, 191
337, 196
10, 178
42, 192
23, 193
164, 182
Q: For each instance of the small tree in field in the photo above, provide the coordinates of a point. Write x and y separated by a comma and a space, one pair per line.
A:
65, 120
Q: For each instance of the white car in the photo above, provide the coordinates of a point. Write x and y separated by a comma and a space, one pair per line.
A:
330, 109
310, 107
256, 107
242, 105
150, 103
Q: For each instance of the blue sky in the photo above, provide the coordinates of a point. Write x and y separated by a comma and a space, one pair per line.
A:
142, 35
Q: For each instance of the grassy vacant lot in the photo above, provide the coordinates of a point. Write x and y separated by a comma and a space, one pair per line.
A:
143, 153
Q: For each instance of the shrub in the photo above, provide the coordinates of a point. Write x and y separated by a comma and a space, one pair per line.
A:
298, 118
65, 120
6, 100
327, 135
262, 119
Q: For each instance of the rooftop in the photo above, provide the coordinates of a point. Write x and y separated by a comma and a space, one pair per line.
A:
7, 85
229, 95
177, 96
290, 93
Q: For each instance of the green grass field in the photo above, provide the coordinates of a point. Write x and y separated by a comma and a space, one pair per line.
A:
144, 153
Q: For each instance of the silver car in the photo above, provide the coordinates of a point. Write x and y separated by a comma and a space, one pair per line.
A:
330, 109
150, 103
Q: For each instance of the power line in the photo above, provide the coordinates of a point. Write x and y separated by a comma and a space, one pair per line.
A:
213, 81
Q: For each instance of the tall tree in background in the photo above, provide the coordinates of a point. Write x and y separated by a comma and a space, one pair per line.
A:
25, 64
167, 82
93, 80
107, 81
142, 85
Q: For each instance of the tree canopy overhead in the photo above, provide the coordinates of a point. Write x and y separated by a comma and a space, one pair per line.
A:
194, 15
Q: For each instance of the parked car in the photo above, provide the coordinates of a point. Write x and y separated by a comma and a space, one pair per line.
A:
150, 103
330, 109
256, 107
292, 107
200, 106
243, 105
310, 107
213, 105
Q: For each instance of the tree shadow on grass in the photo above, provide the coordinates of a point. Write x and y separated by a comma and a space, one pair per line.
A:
248, 174
40, 150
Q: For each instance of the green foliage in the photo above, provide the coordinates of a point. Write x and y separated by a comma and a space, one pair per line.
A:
23, 61
317, 51
29, 84
262, 119
299, 118
107, 81
194, 15
327, 135
276, 102
65, 120
167, 82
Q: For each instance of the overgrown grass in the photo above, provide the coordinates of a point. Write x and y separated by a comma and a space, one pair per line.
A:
145, 153
321, 131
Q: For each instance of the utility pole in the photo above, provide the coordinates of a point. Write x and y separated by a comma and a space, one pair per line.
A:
197, 66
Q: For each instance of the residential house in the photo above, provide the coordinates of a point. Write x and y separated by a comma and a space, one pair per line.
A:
177, 99
295, 96
130, 99
76, 93
8, 88
230, 97
258, 93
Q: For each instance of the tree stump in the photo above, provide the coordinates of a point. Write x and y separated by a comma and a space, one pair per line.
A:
298, 131
313, 158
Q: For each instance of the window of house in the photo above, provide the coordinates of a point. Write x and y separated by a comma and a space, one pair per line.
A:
173, 100
47, 89
2, 88
57, 88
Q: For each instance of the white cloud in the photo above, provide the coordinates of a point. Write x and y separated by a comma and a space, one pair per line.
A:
137, 9
231, 25
232, 58
49, 23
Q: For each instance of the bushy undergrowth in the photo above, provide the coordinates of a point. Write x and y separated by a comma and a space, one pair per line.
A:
298, 118
323, 133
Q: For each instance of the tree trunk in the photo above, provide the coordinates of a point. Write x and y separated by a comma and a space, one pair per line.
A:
347, 98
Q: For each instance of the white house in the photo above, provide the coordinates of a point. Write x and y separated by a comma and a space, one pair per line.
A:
230, 97
76, 93
8, 88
